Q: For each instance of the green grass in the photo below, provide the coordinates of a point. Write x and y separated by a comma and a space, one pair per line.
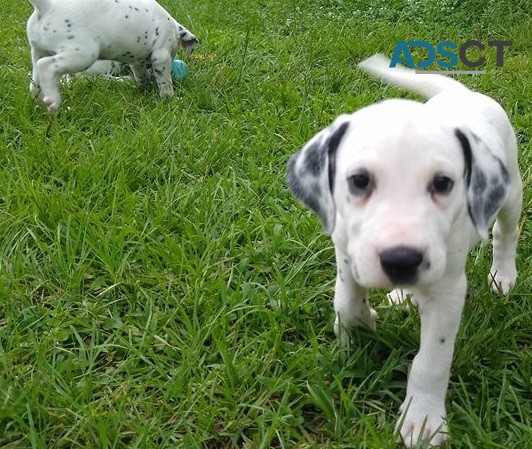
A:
161, 288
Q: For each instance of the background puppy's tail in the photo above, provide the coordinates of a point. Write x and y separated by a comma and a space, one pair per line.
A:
41, 5
425, 84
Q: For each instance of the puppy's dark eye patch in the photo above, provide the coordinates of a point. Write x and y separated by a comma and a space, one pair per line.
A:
360, 183
441, 185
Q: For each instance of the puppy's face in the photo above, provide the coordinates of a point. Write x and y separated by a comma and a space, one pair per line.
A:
398, 193
393, 187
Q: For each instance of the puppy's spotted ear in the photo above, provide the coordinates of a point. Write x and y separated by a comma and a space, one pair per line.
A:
312, 171
487, 180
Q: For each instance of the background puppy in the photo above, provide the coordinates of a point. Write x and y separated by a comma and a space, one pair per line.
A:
69, 36
405, 189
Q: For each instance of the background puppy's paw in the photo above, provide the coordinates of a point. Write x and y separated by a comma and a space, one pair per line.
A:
397, 296
34, 90
367, 320
400, 296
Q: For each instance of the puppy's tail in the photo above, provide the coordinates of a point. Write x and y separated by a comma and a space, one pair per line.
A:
41, 5
427, 85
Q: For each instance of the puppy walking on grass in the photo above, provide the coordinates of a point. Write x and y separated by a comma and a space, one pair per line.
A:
69, 36
406, 189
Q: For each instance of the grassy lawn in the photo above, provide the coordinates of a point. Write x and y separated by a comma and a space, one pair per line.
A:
161, 288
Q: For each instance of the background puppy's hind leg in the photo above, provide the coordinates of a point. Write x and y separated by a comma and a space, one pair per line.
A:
51, 68
48, 79
35, 85
503, 271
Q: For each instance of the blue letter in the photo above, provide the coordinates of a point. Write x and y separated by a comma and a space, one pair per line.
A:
402, 47
453, 59
430, 49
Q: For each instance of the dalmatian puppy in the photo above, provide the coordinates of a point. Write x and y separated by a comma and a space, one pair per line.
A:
69, 36
406, 189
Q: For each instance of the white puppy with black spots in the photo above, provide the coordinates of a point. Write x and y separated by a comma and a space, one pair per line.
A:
406, 189
69, 36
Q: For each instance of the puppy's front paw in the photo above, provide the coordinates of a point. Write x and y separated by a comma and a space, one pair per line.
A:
166, 92
422, 423
52, 106
502, 280
166, 89
368, 319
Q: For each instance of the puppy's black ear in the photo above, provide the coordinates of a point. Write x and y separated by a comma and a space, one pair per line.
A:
312, 170
487, 180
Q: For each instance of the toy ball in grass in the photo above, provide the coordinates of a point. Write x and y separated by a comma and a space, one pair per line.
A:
179, 69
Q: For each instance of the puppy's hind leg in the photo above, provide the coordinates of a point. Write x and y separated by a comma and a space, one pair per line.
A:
350, 302
503, 271
35, 85
50, 68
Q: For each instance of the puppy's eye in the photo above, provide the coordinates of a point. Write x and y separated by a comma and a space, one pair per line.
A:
441, 185
360, 183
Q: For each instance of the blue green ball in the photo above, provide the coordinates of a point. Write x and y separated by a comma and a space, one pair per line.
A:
179, 69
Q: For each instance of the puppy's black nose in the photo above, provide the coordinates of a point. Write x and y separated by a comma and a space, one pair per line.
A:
400, 263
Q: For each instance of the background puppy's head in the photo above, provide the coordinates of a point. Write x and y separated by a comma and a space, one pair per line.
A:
186, 39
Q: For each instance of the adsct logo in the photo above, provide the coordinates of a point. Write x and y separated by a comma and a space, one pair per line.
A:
446, 55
